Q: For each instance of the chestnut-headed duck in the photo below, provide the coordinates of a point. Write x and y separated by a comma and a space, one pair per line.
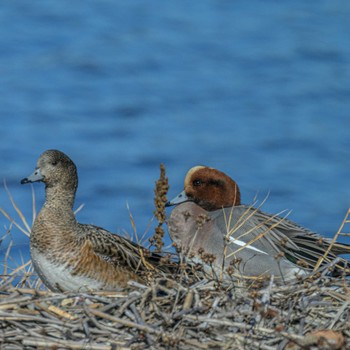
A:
69, 256
210, 222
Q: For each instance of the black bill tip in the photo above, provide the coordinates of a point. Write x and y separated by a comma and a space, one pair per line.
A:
24, 181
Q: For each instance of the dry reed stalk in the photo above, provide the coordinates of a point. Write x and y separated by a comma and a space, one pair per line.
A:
26, 229
171, 315
334, 240
160, 199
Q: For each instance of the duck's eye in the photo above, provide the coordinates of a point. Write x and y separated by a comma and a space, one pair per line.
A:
197, 182
54, 163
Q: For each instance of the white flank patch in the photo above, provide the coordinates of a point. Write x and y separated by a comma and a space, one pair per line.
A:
246, 246
56, 274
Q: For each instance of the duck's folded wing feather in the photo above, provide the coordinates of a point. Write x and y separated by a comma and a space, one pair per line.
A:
279, 234
119, 250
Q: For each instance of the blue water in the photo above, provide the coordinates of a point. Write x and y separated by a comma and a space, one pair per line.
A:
258, 89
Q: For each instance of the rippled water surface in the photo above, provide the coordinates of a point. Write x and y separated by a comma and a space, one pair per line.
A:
260, 90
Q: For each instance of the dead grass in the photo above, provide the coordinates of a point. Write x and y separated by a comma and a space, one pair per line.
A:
17, 273
170, 315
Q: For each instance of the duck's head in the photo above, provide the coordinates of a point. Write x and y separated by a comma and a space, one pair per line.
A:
54, 168
210, 188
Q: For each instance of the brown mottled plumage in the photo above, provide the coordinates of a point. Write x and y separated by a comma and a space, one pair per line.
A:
68, 255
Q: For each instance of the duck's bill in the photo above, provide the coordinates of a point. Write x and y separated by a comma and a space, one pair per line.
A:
180, 198
36, 176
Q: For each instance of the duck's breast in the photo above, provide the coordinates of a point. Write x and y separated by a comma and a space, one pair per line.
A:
191, 228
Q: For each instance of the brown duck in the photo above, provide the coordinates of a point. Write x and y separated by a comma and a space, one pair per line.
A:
69, 256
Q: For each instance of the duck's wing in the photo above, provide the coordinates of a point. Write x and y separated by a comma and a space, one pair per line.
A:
311, 247
303, 236
122, 251
298, 244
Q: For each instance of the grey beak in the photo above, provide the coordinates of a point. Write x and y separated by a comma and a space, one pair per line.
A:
180, 198
36, 176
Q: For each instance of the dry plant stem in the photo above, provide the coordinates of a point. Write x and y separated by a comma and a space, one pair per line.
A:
160, 200
345, 221
24, 271
42, 343
226, 239
26, 230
